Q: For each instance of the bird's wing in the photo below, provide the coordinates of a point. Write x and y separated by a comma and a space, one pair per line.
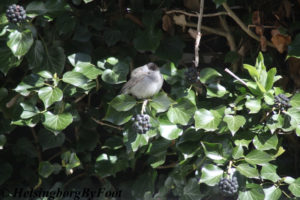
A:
132, 82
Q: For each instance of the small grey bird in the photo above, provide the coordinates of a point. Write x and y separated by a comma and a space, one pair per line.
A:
144, 82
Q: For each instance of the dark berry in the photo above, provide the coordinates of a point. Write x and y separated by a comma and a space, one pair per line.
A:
228, 187
15, 13
282, 102
191, 75
141, 123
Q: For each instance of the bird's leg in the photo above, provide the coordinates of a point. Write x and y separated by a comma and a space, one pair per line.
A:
144, 106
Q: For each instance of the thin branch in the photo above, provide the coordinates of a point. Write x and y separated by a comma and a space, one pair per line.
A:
264, 26
74, 178
207, 29
105, 124
12, 101
36, 141
198, 38
195, 14
172, 165
80, 98
236, 77
242, 25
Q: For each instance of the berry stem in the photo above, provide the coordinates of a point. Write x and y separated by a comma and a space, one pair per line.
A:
144, 106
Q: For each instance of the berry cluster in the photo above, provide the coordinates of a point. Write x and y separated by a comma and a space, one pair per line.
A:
141, 123
228, 187
191, 75
281, 101
15, 13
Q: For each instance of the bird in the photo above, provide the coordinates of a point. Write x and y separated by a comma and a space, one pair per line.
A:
144, 82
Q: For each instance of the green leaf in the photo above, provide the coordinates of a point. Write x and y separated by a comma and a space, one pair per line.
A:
252, 71
57, 122
111, 37
147, 40
215, 90
252, 194
123, 102
36, 55
54, 60
140, 140
234, 122
265, 141
257, 157
238, 152
2, 141
28, 111
116, 75
270, 78
88, 69
248, 171
45, 169
213, 150
5, 172
29, 82
272, 193
191, 190
169, 130
75, 78
50, 95
268, 172
171, 49
36, 7
70, 160
116, 117
295, 100
294, 47
207, 120
182, 112
295, 187
161, 102
254, 105
211, 174
20, 42
78, 58
8, 60
209, 75
48, 140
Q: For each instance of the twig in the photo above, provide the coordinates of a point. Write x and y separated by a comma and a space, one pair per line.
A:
242, 25
74, 178
236, 77
36, 141
195, 14
198, 38
79, 98
207, 29
144, 106
264, 26
12, 101
105, 124
55, 155
172, 165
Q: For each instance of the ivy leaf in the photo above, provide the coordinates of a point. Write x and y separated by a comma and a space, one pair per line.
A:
140, 140
29, 82
111, 37
207, 120
75, 78
88, 69
272, 193
171, 49
295, 100
295, 187
213, 150
70, 160
147, 40
57, 122
182, 112
255, 193
169, 130
20, 42
191, 190
50, 95
28, 111
36, 54
161, 102
268, 172
116, 75
209, 75
45, 169
78, 58
254, 105
48, 140
234, 122
270, 78
238, 152
8, 60
123, 102
116, 117
211, 174
265, 141
247, 170
216, 90
257, 157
